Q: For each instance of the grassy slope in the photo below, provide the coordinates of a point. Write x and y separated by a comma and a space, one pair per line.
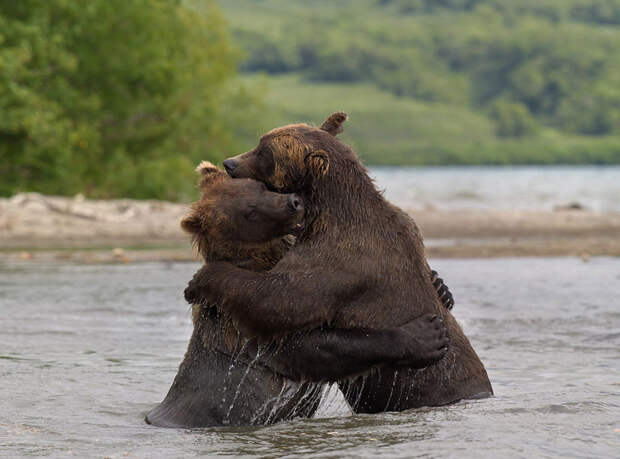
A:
386, 129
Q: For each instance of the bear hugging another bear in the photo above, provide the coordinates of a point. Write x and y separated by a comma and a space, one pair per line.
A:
227, 379
358, 263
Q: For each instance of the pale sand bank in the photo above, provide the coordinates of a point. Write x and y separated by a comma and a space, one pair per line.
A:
35, 227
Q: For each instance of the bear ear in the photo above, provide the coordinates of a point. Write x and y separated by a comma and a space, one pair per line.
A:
206, 168
191, 224
333, 124
209, 172
317, 163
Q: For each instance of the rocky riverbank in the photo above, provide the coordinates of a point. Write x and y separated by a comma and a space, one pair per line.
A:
45, 228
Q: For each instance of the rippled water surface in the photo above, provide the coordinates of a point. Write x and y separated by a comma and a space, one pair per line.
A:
596, 188
85, 351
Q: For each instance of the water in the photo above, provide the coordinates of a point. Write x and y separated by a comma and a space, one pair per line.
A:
86, 350
489, 188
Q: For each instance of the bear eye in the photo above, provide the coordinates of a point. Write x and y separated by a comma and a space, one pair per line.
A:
252, 215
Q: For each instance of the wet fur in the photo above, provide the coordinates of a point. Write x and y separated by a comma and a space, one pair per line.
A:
218, 370
221, 369
359, 263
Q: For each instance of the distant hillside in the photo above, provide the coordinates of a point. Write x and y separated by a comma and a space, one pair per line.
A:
443, 81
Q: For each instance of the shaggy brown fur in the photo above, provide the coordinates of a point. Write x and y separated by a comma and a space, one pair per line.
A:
241, 222
358, 263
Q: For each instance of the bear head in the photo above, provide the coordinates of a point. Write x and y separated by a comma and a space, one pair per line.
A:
235, 219
294, 157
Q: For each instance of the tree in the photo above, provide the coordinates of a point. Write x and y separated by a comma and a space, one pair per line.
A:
512, 119
114, 97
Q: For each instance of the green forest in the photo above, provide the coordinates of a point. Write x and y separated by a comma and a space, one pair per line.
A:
444, 81
116, 98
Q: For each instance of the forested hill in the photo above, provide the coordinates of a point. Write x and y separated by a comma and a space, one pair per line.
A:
122, 98
444, 81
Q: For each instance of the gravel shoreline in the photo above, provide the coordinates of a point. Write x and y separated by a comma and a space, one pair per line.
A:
48, 228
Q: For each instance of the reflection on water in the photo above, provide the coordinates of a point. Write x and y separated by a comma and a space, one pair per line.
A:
85, 351
597, 188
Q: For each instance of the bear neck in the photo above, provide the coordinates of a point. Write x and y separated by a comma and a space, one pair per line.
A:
359, 205
261, 255
352, 221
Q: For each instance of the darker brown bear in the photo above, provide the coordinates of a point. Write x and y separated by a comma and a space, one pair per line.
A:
226, 379
359, 262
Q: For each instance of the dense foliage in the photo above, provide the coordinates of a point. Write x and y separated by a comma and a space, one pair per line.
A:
123, 97
115, 97
542, 72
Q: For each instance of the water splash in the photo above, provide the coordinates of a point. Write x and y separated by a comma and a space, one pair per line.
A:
277, 404
263, 408
241, 381
387, 405
361, 391
309, 396
330, 396
234, 359
406, 377
325, 396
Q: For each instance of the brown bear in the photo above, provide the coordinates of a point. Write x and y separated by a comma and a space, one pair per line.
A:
225, 379
358, 263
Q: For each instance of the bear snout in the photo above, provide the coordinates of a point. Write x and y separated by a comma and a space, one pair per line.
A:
230, 165
294, 203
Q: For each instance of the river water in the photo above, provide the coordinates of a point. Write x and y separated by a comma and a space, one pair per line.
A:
86, 350
596, 188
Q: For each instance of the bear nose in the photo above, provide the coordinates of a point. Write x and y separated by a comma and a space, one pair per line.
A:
294, 203
230, 165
